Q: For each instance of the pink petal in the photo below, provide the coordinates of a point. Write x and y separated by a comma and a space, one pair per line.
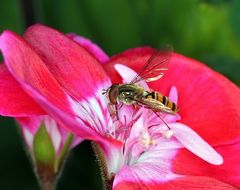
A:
208, 102
134, 59
64, 132
172, 118
75, 124
133, 146
227, 172
13, 100
31, 123
112, 152
34, 77
153, 167
184, 183
156, 169
54, 132
173, 95
28, 137
26, 66
57, 133
73, 67
76, 141
91, 47
193, 142
128, 74
29, 127
126, 114
140, 125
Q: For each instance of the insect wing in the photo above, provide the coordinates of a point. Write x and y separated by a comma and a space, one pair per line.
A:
155, 67
154, 105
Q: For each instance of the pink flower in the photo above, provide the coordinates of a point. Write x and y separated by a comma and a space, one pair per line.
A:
201, 104
48, 142
66, 80
17, 104
149, 147
30, 126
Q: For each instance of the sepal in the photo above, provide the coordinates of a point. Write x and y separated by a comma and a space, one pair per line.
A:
48, 144
43, 148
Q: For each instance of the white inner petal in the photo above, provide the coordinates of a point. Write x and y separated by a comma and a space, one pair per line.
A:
128, 74
193, 142
53, 132
173, 95
28, 136
93, 112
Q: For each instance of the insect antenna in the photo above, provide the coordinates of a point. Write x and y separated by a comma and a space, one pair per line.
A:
104, 91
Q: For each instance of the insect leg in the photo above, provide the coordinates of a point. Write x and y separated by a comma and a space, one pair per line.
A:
149, 107
162, 119
116, 109
120, 106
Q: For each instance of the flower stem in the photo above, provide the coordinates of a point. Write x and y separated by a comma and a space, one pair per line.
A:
49, 175
46, 177
107, 178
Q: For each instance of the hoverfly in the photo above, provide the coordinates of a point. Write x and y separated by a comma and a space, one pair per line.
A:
134, 94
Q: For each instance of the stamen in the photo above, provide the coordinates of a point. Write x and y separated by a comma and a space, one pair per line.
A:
168, 134
146, 141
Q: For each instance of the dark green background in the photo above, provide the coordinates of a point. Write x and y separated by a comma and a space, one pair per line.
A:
206, 30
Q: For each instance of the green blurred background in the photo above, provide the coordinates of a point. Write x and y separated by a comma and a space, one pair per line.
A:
208, 30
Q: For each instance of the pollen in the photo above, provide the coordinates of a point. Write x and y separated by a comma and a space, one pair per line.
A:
146, 141
168, 134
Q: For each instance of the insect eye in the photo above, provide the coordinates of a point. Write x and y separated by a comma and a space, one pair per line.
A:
113, 94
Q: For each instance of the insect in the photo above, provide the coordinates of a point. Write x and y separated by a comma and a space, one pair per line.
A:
134, 94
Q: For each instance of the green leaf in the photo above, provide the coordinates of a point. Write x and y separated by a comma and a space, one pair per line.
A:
43, 147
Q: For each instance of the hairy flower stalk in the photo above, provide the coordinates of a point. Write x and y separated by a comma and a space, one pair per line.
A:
107, 179
48, 145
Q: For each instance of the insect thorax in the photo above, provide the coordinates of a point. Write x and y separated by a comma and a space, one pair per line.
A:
129, 93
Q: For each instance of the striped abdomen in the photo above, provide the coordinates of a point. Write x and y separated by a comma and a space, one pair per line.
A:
163, 99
